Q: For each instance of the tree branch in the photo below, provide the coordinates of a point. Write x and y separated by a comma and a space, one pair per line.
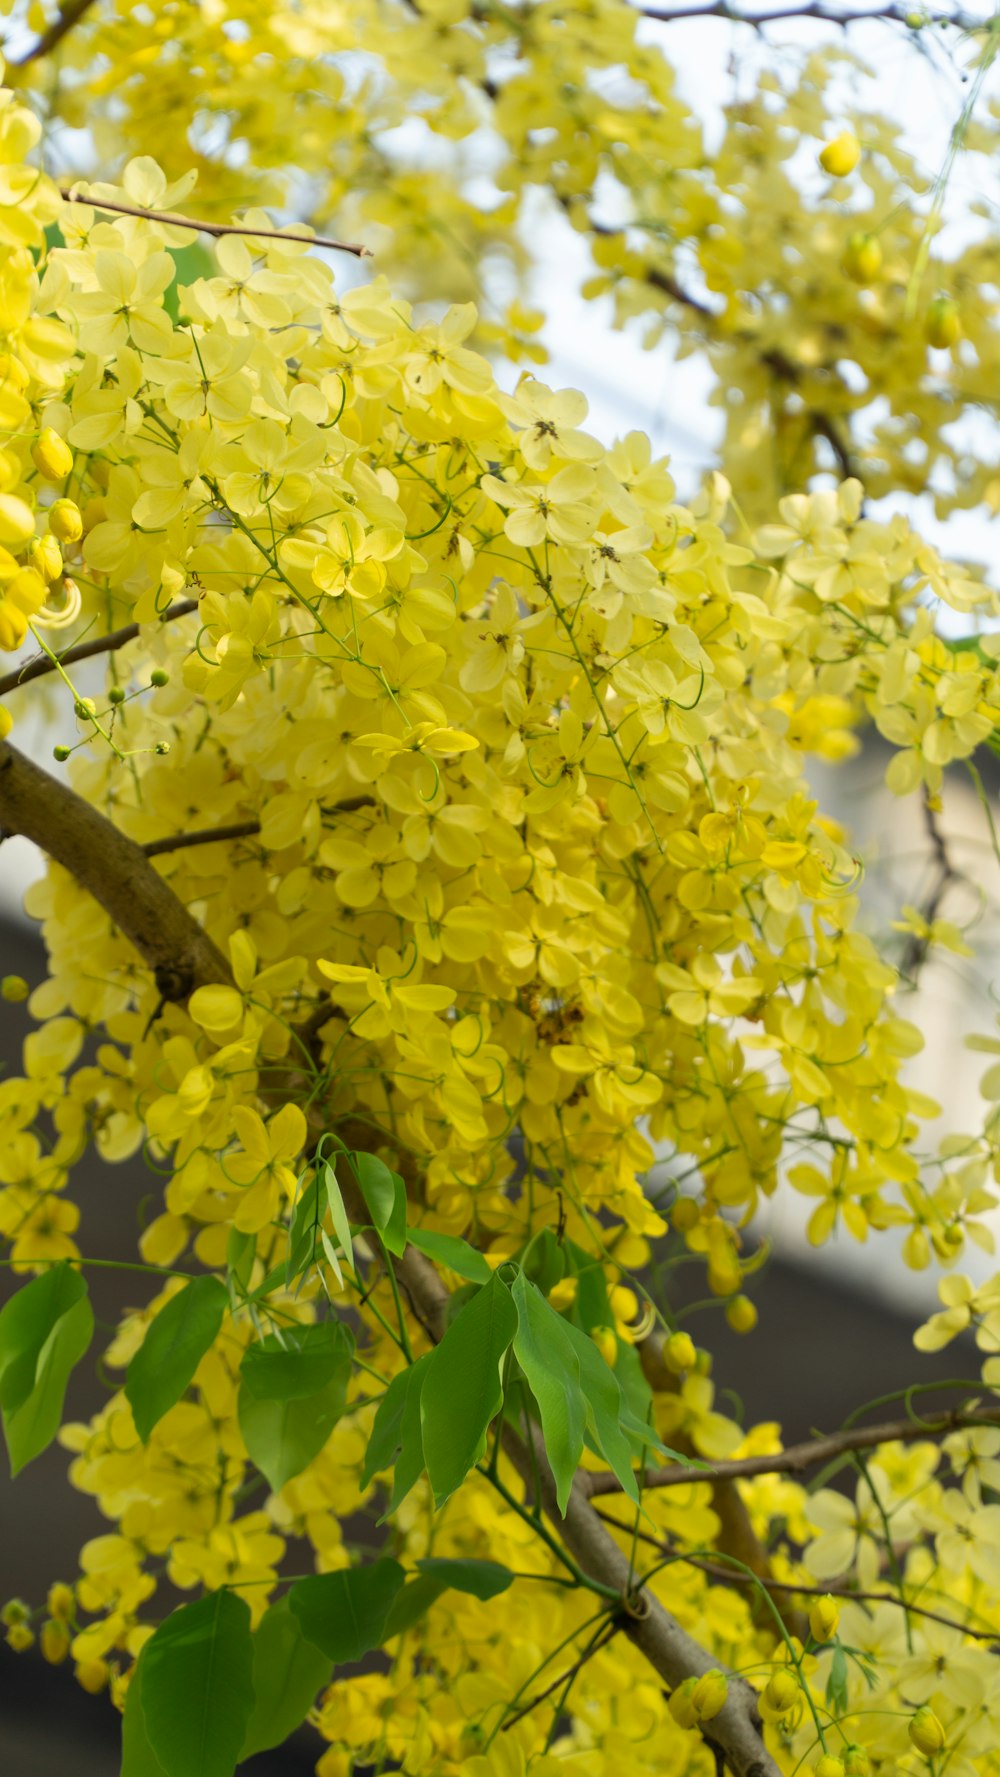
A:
69, 14
913, 17
104, 644
170, 217
204, 836
800, 1457
114, 870
915, 953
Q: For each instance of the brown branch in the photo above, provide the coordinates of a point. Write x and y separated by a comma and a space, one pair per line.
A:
205, 836
800, 1457
69, 14
917, 946
732, 1577
113, 869
913, 17
104, 644
173, 220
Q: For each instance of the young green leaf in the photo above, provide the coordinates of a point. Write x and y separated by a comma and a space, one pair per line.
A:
481, 1579
344, 1613
288, 1671
44, 1331
174, 1346
462, 1390
385, 1195
606, 1408
292, 1392
338, 1213
197, 1686
304, 1233
449, 1250
138, 1757
396, 1435
551, 1367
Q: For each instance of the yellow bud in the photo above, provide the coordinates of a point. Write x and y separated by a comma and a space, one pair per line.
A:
65, 521
862, 258
563, 1294
709, 1694
54, 1642
684, 1215
741, 1314
781, 1692
52, 456
606, 1343
19, 1637
14, 1611
14, 988
823, 1618
681, 1706
13, 626
840, 156
942, 323
828, 1766
6, 723
857, 1762
679, 1353
45, 557
926, 1732
61, 1601
26, 591
92, 1675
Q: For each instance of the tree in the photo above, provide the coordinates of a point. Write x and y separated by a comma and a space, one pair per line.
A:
440, 850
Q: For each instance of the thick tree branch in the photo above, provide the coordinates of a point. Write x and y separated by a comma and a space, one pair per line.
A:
103, 644
73, 196
114, 870
798, 1458
69, 14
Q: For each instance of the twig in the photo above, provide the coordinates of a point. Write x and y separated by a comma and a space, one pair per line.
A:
918, 944
69, 14
607, 1634
913, 17
204, 836
800, 1457
105, 644
730, 1576
173, 220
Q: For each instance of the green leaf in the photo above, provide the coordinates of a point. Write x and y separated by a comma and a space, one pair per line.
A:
385, 1195
447, 1249
462, 1390
44, 1331
138, 1757
292, 1392
190, 263
288, 1671
605, 1410
241, 1250
174, 1346
836, 1684
551, 1367
307, 1218
197, 1686
345, 1613
483, 1579
338, 1213
396, 1435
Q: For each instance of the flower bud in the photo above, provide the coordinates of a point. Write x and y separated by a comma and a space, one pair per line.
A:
679, 1353
563, 1294
54, 1642
709, 1694
862, 259
14, 1611
14, 988
926, 1732
781, 1692
681, 1706
159, 678
741, 1314
92, 1675
60, 754
684, 1215
840, 156
19, 1637
66, 521
606, 1343
116, 694
824, 1615
45, 557
61, 1602
942, 323
857, 1762
828, 1766
52, 456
